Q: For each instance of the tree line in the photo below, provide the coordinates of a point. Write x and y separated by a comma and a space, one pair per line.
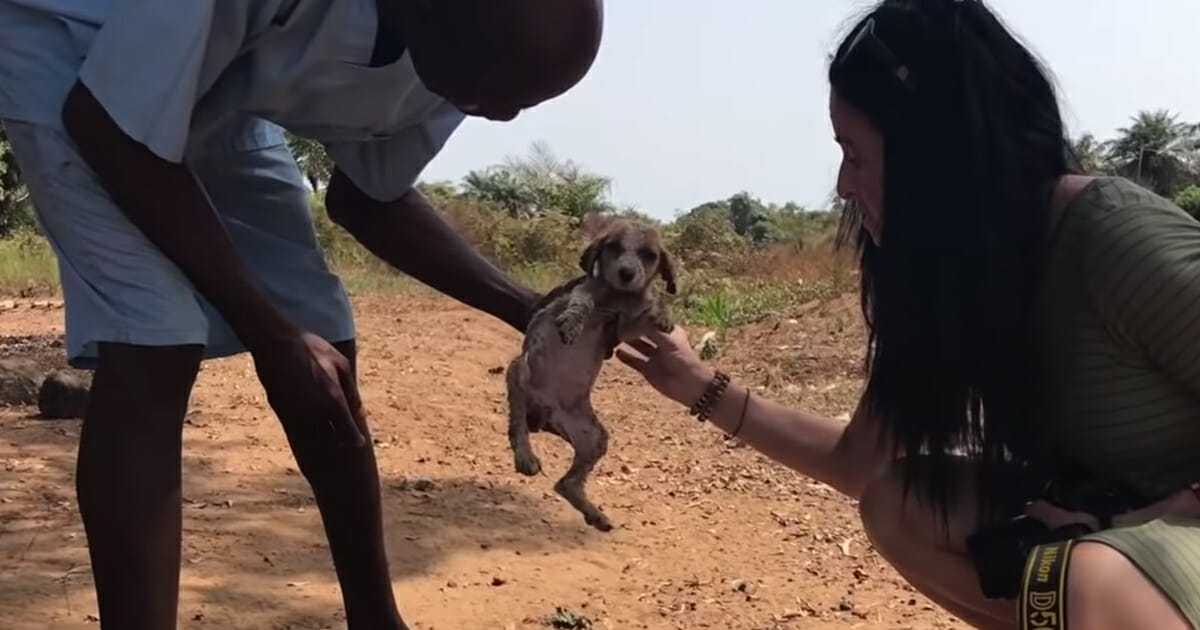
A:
1157, 149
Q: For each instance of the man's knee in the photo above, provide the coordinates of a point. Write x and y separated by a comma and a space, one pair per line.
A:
147, 378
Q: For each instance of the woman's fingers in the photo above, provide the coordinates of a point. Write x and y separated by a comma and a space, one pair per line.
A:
644, 347
677, 336
633, 360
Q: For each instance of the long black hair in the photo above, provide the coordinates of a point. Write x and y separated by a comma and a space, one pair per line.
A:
973, 145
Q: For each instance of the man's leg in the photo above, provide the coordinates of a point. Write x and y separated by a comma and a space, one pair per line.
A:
128, 481
263, 200
345, 481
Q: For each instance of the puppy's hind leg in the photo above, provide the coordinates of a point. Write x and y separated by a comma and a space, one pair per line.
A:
590, 441
524, 460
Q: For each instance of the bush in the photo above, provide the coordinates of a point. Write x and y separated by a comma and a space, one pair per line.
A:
1189, 200
27, 264
705, 239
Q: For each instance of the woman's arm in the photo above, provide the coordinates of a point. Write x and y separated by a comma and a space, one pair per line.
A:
847, 457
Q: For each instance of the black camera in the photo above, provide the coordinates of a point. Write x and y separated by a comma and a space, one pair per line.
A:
1000, 551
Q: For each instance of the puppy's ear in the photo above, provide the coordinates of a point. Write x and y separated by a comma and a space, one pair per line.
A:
666, 267
590, 260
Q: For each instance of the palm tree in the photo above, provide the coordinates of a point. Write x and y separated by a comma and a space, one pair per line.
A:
1157, 150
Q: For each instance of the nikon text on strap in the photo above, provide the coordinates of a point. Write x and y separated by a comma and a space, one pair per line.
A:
1043, 596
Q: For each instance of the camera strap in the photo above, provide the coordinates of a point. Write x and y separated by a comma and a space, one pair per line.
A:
1042, 601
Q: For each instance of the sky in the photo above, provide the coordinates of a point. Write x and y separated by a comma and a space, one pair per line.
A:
695, 100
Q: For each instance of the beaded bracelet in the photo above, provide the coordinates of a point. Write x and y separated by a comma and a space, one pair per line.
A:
712, 395
742, 418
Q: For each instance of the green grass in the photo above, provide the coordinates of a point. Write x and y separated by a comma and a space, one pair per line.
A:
717, 310
27, 265
729, 305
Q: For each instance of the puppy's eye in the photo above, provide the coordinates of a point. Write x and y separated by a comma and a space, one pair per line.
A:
648, 255
612, 246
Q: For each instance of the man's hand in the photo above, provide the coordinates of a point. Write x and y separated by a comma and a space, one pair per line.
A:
309, 382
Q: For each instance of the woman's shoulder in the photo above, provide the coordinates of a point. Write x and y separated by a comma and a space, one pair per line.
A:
1111, 195
1125, 234
1109, 211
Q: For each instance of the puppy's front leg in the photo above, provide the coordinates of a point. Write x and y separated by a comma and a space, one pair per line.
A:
571, 320
660, 317
657, 317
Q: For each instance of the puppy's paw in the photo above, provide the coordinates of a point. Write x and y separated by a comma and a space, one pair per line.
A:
599, 521
527, 464
662, 322
569, 328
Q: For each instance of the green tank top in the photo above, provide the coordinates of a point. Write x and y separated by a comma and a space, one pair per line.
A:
1118, 318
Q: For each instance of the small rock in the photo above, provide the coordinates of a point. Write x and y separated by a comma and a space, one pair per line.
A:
499, 369
707, 348
451, 584
19, 381
418, 484
91, 619
499, 581
64, 394
743, 586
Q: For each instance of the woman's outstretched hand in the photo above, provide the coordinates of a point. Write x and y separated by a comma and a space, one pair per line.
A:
669, 364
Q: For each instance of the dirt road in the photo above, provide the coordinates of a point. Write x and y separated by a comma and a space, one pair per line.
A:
709, 534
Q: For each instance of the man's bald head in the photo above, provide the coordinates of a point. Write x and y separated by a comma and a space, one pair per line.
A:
496, 57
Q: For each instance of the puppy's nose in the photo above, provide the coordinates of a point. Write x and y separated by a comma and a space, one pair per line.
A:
626, 274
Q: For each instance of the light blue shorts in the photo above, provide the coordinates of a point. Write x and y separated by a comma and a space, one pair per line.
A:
119, 288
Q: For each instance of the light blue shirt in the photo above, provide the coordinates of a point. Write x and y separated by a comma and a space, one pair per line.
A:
173, 73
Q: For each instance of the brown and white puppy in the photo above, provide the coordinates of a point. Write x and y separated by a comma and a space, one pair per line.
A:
573, 330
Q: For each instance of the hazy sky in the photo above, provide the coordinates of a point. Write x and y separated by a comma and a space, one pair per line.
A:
693, 100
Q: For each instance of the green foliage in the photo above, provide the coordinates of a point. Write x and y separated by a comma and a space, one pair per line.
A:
747, 215
793, 225
314, 162
27, 264
1189, 200
1092, 155
716, 310
539, 184
16, 211
1159, 151
438, 192
757, 223
721, 302
545, 247
705, 238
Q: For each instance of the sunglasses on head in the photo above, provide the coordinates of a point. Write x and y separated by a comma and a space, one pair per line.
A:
865, 41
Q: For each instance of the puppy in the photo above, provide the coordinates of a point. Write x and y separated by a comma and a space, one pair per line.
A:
572, 331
